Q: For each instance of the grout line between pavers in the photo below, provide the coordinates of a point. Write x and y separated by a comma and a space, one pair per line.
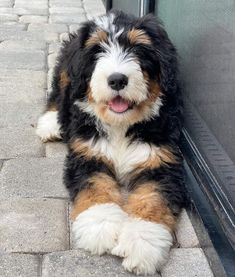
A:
38, 197
68, 223
2, 162
40, 258
26, 27
48, 13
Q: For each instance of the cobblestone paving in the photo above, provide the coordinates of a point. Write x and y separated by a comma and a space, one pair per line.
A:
35, 237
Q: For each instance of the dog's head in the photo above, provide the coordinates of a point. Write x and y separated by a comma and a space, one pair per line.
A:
128, 65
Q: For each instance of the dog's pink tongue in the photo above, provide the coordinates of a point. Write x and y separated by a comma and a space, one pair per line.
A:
118, 104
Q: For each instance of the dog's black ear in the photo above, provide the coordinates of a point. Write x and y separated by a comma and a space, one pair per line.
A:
165, 53
75, 49
77, 60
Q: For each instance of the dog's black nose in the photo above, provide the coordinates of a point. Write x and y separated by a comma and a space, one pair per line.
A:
117, 81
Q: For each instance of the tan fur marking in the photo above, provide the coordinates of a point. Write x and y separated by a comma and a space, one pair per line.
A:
153, 87
154, 90
97, 37
64, 79
103, 189
136, 36
167, 156
79, 147
52, 107
146, 203
160, 156
89, 94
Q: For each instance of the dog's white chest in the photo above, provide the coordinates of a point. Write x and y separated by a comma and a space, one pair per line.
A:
124, 154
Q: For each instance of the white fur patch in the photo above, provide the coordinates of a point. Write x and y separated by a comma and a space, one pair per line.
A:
124, 155
144, 245
105, 22
97, 228
48, 127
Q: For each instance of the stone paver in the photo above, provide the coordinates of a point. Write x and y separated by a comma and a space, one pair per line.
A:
187, 262
6, 3
41, 177
31, 5
56, 149
33, 225
28, 36
68, 18
31, 11
25, 94
81, 264
185, 233
18, 46
33, 19
73, 28
20, 114
92, 9
62, 3
22, 78
54, 47
51, 60
8, 17
6, 10
20, 142
34, 202
66, 10
34, 60
11, 26
54, 28
19, 265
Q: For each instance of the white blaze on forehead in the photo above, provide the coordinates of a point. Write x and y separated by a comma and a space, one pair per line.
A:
105, 22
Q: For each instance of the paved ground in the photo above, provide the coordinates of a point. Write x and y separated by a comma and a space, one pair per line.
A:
35, 237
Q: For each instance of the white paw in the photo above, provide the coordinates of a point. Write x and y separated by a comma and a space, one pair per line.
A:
48, 127
144, 245
97, 228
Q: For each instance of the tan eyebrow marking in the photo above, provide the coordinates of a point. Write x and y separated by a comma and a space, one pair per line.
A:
96, 37
138, 36
64, 79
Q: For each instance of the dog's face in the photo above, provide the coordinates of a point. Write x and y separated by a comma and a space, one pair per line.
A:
123, 86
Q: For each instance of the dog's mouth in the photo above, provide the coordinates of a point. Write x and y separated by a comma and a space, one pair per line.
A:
120, 105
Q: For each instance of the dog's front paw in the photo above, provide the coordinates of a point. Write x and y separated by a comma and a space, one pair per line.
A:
144, 246
97, 228
48, 128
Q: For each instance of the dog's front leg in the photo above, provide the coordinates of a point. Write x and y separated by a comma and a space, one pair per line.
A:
96, 213
146, 238
154, 201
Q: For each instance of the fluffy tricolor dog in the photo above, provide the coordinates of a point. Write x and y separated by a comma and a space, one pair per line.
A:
116, 102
